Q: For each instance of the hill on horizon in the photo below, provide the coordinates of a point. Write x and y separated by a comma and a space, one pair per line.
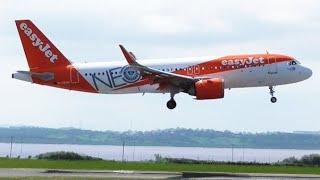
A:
167, 137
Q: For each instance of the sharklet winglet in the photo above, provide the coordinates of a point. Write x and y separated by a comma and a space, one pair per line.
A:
131, 59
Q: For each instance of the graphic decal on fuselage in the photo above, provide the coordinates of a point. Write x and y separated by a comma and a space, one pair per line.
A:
130, 74
116, 77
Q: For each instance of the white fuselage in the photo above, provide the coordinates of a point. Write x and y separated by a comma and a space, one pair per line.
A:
108, 77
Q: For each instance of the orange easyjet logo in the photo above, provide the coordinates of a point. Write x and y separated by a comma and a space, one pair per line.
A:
36, 41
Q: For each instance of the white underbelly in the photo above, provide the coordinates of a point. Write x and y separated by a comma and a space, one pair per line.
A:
248, 77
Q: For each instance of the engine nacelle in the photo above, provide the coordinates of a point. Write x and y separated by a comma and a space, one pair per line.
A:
209, 89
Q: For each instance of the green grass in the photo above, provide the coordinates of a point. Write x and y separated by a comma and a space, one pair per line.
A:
149, 166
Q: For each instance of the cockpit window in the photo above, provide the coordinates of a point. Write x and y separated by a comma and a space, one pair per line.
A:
294, 62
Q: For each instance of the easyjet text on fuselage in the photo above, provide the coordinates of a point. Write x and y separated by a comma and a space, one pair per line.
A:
244, 61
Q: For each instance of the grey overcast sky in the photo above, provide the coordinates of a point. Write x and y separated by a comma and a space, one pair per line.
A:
91, 31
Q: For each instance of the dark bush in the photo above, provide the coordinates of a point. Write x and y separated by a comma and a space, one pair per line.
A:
309, 160
290, 160
312, 159
62, 155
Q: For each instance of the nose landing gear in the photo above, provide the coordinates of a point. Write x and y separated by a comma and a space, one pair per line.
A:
273, 99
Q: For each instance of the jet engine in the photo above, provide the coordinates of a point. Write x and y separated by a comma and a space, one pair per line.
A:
209, 89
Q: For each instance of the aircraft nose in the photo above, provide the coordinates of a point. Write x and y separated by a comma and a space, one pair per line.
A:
307, 73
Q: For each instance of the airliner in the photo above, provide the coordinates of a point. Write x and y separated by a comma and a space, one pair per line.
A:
204, 78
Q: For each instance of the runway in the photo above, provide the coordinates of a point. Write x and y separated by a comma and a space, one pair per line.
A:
12, 172
19, 172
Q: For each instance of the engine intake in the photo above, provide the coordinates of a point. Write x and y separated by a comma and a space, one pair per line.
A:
209, 89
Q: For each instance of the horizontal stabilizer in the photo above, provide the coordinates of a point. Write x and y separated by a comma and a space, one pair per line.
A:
27, 76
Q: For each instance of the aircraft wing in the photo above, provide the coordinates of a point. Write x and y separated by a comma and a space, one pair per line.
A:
178, 80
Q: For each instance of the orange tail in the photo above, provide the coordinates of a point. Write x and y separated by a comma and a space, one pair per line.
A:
40, 52
48, 66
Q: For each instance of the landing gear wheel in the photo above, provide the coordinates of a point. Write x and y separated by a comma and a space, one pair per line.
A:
273, 99
171, 104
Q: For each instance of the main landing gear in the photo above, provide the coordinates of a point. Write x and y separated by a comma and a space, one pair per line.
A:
171, 104
273, 99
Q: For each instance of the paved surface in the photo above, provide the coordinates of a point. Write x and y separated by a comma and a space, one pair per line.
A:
19, 172
217, 175
11, 172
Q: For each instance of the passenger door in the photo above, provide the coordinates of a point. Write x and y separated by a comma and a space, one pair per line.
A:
74, 76
272, 72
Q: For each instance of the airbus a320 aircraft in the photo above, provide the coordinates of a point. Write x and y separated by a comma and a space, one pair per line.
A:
204, 78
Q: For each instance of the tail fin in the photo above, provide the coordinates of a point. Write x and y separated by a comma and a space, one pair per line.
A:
40, 52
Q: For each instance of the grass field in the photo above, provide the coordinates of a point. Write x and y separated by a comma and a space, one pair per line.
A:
150, 166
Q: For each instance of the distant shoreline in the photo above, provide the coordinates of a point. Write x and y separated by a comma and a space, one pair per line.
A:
26, 143
179, 137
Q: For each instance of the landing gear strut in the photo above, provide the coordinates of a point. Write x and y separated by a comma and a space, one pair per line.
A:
171, 104
273, 99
